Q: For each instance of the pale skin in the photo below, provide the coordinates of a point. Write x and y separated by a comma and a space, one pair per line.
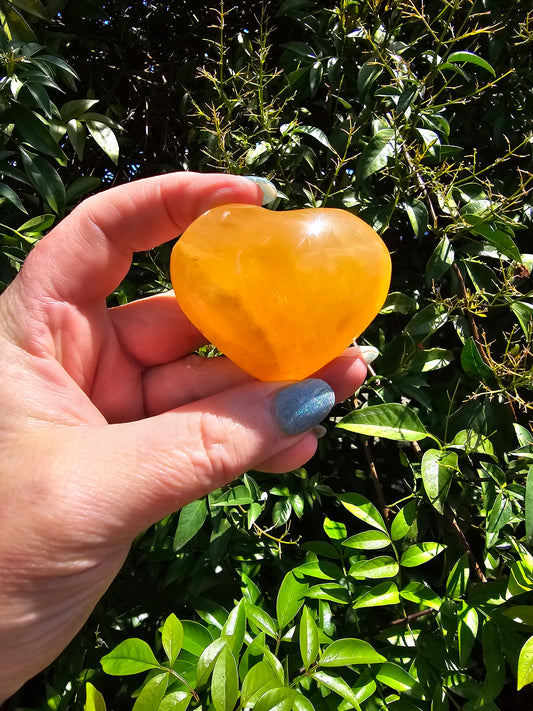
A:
107, 423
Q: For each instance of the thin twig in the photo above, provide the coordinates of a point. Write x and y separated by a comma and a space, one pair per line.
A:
376, 481
473, 562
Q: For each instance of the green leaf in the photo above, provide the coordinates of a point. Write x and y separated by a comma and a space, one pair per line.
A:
458, 578
105, 138
131, 656
470, 58
75, 109
440, 261
94, 701
396, 302
431, 359
32, 7
529, 506
438, 468
344, 652
404, 521
473, 363
289, 599
378, 596
207, 660
261, 619
500, 239
363, 509
225, 681
420, 553
34, 132
235, 627
191, 520
525, 665
12, 197
396, 677
379, 567
472, 442
196, 637
172, 637
302, 703
390, 421
259, 679
376, 154
280, 699
308, 638
523, 311
421, 594
37, 225
334, 530
338, 685
152, 693
80, 187
175, 701
418, 216
333, 592
315, 133
368, 541
427, 321
467, 627
77, 135
45, 180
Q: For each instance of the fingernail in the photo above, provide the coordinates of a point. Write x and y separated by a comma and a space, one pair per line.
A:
270, 191
302, 406
319, 431
368, 353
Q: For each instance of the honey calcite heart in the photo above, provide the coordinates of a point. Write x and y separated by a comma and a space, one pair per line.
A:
280, 293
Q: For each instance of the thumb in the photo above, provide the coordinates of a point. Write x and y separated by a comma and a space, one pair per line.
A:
137, 473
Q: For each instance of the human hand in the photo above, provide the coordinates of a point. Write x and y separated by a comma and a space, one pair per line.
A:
108, 424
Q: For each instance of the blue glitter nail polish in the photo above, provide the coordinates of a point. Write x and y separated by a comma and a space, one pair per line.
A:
301, 406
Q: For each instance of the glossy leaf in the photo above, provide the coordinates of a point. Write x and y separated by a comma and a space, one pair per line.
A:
379, 567
94, 701
338, 685
279, 699
363, 509
131, 656
172, 637
235, 627
105, 138
152, 693
404, 521
308, 637
396, 677
344, 652
225, 681
175, 701
45, 180
368, 541
438, 468
289, 599
529, 506
259, 679
191, 520
470, 58
420, 553
378, 595
391, 421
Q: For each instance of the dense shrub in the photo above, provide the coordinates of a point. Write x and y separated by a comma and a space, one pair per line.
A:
396, 569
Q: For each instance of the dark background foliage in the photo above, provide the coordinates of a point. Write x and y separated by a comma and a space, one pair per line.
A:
415, 519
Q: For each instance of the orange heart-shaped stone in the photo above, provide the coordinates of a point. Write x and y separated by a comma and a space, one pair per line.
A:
280, 293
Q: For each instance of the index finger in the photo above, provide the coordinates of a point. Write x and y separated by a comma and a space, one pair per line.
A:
87, 255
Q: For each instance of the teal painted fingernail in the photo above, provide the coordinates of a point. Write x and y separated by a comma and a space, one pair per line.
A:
302, 406
269, 189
